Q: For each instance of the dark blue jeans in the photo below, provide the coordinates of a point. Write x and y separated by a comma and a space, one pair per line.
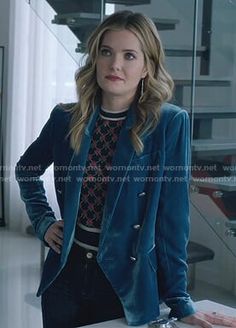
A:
81, 294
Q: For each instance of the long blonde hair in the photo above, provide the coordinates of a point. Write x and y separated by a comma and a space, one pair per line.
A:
158, 85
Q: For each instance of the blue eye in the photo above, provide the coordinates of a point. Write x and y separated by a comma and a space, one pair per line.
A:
129, 56
105, 52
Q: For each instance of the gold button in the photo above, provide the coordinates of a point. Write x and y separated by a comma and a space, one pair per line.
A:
89, 255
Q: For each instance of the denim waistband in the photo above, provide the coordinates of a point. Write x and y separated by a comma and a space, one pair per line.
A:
84, 253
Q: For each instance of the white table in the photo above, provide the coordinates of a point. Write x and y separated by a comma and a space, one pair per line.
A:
220, 183
201, 305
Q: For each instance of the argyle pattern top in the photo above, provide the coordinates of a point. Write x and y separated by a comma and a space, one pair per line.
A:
96, 177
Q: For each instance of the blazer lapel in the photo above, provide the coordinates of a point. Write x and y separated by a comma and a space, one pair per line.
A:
73, 185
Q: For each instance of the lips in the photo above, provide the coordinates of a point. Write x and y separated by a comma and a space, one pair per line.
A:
113, 78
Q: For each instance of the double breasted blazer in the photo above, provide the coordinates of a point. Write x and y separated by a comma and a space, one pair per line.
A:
145, 224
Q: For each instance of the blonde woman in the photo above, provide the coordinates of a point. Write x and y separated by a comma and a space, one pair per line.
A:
119, 248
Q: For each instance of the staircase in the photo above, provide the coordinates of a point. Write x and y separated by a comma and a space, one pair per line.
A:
82, 17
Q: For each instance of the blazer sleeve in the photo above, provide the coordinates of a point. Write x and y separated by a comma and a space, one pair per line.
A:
172, 229
32, 164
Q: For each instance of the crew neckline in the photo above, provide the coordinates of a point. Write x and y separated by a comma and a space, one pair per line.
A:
114, 116
110, 111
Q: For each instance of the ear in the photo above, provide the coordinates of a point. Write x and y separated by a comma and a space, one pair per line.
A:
144, 73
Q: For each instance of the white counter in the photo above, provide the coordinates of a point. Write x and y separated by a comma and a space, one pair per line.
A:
220, 183
201, 305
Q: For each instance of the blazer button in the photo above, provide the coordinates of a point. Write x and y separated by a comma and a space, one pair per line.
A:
133, 259
143, 193
89, 255
136, 226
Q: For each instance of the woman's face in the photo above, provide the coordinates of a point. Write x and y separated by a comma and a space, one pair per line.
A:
120, 65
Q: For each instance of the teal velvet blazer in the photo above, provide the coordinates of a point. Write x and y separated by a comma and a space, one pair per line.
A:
145, 224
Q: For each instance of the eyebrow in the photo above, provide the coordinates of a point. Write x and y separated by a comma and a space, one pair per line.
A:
124, 50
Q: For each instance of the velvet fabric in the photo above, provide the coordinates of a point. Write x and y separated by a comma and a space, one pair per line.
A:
145, 225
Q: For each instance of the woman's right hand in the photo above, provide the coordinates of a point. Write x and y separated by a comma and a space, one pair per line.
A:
54, 236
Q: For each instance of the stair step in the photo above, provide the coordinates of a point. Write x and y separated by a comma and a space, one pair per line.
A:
129, 2
202, 83
73, 6
183, 51
81, 24
81, 47
79, 19
212, 112
181, 83
69, 6
163, 24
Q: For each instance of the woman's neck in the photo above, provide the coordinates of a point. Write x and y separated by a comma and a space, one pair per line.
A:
115, 104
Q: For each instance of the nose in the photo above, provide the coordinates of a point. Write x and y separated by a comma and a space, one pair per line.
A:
116, 63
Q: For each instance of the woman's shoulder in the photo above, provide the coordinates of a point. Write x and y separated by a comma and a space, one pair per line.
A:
60, 118
66, 106
170, 110
62, 112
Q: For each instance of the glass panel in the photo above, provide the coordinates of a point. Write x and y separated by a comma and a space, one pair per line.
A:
71, 22
213, 215
173, 20
2, 223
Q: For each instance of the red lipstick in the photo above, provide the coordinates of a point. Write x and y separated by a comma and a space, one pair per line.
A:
114, 78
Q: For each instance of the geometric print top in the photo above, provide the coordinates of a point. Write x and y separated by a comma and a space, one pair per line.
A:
96, 177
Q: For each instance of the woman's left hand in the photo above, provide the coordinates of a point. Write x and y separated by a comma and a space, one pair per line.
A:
208, 319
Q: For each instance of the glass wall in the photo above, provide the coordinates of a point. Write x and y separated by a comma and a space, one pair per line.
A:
199, 37
2, 222
213, 214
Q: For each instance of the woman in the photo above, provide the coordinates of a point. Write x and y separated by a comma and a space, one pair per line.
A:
121, 158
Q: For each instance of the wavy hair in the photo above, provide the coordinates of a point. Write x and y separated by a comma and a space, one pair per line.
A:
158, 85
